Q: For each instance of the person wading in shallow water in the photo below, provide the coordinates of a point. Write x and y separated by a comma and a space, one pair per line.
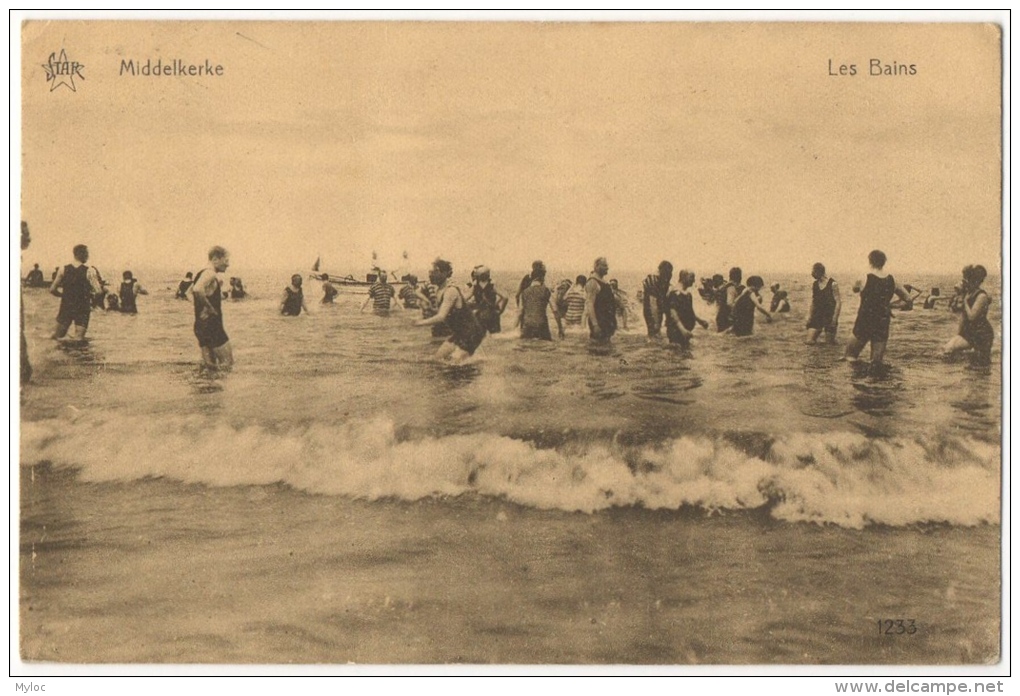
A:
207, 293
408, 294
381, 295
600, 303
76, 286
825, 306
745, 306
726, 297
680, 316
536, 299
780, 303
574, 300
329, 291
129, 292
466, 333
872, 325
35, 279
487, 302
656, 289
622, 303
184, 286
975, 330
293, 299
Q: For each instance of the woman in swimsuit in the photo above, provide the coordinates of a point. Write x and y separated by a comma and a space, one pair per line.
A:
975, 330
872, 325
466, 332
745, 306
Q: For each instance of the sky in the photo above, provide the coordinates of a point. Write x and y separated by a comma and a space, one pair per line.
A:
708, 144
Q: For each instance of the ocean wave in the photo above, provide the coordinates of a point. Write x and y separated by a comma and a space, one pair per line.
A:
845, 479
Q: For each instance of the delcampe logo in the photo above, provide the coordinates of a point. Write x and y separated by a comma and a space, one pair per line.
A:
61, 71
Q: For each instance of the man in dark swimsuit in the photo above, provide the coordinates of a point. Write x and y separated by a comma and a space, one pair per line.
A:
293, 300
129, 292
726, 298
600, 303
76, 286
466, 332
207, 292
825, 306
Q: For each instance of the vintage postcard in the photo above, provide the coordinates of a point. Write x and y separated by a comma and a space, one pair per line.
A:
663, 343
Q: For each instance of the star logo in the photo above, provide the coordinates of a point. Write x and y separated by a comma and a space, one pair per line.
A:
61, 71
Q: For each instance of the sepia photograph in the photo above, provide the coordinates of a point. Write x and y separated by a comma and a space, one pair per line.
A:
571, 341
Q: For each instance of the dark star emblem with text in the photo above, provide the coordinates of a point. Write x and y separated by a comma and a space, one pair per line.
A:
61, 71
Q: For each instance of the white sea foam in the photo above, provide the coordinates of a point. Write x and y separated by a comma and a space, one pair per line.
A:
834, 478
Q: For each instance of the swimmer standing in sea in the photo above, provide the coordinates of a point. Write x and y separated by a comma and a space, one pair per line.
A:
466, 332
873, 316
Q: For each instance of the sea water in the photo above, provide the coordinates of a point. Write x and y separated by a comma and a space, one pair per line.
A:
340, 497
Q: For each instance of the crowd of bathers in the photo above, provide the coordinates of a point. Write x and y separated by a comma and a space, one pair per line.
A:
463, 317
